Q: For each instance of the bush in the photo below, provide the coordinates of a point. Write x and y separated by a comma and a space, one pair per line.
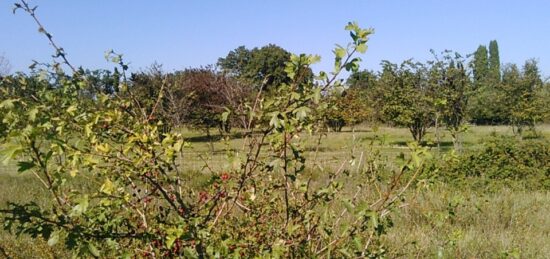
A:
504, 160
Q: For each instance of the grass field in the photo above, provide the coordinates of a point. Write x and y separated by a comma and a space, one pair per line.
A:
440, 221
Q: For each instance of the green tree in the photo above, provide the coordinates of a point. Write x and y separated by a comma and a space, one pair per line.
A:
407, 98
451, 84
524, 96
259, 66
365, 79
348, 109
487, 103
480, 65
494, 62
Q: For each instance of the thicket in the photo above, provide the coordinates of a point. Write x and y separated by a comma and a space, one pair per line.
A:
521, 164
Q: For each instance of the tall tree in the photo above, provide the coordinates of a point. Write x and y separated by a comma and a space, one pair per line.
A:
494, 62
480, 65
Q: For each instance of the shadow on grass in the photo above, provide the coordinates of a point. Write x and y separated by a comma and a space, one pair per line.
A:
198, 139
443, 144
218, 137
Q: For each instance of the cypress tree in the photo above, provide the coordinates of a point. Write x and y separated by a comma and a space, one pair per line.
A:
494, 61
480, 65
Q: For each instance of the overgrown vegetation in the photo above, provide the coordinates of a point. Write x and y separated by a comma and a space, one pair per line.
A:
109, 153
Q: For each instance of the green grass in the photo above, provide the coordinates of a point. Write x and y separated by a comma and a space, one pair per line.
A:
441, 221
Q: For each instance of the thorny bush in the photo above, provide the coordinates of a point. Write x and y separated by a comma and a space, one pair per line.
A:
136, 200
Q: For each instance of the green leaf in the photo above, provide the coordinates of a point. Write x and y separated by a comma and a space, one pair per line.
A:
32, 114
275, 121
81, 207
71, 109
340, 52
108, 187
93, 250
172, 235
361, 48
314, 59
225, 115
351, 26
301, 113
9, 151
24, 166
8, 104
54, 239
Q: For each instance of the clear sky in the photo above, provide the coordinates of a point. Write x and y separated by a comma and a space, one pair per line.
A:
181, 34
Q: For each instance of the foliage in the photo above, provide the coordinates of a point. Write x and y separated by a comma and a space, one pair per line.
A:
524, 97
451, 81
406, 98
502, 160
259, 66
137, 200
348, 109
364, 80
480, 65
494, 62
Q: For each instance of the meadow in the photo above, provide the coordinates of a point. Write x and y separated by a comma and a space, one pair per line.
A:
438, 219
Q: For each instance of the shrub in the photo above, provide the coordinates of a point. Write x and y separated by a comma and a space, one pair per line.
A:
503, 160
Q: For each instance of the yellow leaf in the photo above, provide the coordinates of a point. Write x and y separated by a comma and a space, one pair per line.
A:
73, 172
108, 187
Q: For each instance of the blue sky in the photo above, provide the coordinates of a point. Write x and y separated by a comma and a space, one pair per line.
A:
181, 34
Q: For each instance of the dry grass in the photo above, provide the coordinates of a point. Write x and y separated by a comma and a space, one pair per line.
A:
441, 221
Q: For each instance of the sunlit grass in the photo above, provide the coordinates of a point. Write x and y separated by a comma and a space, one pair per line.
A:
441, 221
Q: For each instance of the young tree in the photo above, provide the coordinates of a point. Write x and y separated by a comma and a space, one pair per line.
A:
349, 108
138, 202
407, 98
524, 96
451, 83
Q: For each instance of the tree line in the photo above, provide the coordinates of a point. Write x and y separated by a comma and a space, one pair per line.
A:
447, 91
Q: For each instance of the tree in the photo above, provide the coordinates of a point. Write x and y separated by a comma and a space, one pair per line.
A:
480, 65
407, 98
236, 62
494, 62
487, 104
452, 88
204, 95
260, 66
348, 109
194, 97
524, 96
365, 80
